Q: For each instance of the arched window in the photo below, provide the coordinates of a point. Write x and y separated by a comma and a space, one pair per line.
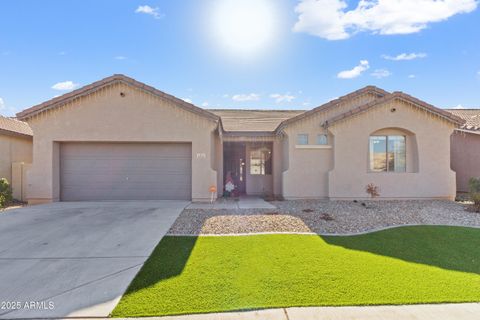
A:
392, 150
388, 153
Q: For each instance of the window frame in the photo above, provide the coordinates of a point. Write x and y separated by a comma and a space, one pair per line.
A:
387, 170
265, 163
326, 139
302, 135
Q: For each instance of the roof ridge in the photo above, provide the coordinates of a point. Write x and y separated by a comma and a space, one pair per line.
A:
397, 95
334, 102
260, 110
87, 89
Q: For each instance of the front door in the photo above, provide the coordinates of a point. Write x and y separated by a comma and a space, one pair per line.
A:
234, 162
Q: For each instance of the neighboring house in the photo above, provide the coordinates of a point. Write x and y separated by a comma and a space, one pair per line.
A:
15, 150
465, 153
121, 139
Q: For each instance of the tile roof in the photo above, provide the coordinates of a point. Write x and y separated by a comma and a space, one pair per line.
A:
471, 117
402, 96
333, 103
13, 126
236, 120
63, 99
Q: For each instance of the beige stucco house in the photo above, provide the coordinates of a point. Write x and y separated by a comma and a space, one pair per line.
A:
465, 153
121, 139
15, 153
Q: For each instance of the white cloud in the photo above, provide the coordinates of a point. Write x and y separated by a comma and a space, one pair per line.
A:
64, 86
279, 98
246, 97
120, 58
381, 73
355, 72
146, 9
62, 53
187, 100
2, 104
405, 56
459, 107
411, 76
330, 19
205, 104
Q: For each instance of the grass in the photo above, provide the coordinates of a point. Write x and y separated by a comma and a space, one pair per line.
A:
398, 266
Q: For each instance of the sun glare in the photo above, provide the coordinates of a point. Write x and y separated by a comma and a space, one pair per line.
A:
244, 28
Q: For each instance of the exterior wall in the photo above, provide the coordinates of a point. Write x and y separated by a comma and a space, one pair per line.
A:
19, 180
351, 174
13, 149
219, 163
465, 157
105, 116
305, 169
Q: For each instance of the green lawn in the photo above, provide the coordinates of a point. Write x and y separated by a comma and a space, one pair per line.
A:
397, 266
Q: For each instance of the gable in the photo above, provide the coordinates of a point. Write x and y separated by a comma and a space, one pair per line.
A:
91, 89
397, 97
336, 106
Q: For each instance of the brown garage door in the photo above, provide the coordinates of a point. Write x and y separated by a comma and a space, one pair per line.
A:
125, 171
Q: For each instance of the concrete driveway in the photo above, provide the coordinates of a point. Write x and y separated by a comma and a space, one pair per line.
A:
76, 258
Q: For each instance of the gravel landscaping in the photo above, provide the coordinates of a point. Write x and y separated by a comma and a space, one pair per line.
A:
323, 217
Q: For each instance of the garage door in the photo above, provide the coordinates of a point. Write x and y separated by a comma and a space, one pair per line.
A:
125, 171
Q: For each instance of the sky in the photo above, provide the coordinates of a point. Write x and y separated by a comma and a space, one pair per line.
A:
256, 54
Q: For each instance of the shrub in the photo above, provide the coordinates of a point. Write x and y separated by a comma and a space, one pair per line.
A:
474, 184
372, 190
5, 193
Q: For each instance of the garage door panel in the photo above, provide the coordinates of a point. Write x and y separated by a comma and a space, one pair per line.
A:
125, 171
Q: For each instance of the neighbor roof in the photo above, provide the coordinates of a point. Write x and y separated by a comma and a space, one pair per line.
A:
88, 89
14, 127
471, 117
400, 96
235, 120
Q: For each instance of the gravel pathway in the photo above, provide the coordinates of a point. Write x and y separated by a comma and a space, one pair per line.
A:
323, 217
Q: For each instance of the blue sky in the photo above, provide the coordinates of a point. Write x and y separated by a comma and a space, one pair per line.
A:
268, 54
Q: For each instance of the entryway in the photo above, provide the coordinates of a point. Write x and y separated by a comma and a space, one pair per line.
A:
248, 167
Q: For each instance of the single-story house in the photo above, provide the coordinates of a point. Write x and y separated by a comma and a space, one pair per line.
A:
119, 138
15, 153
465, 150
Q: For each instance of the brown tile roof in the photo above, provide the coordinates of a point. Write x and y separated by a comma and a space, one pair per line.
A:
13, 126
471, 117
401, 96
333, 103
88, 89
235, 120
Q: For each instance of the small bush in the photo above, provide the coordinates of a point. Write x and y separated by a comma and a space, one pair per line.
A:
372, 190
474, 184
5, 193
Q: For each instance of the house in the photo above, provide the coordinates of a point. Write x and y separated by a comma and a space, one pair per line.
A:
465, 153
15, 153
118, 138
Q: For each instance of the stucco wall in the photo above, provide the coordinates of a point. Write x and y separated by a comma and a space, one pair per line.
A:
465, 157
433, 179
13, 149
106, 116
306, 169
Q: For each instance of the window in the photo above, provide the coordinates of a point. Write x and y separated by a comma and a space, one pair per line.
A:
261, 161
322, 139
302, 139
387, 154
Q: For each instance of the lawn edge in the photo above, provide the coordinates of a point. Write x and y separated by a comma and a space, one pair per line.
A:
317, 234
